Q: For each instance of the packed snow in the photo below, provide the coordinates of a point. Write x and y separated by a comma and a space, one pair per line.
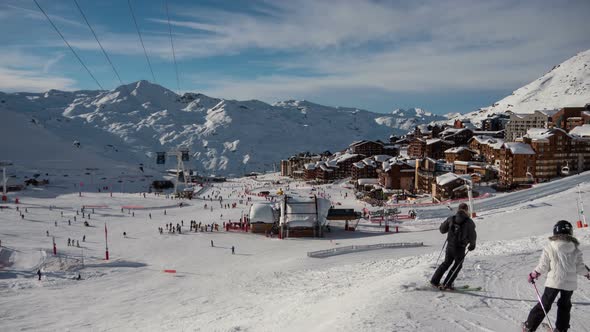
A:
268, 284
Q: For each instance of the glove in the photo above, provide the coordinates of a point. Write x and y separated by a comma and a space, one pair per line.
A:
471, 247
533, 276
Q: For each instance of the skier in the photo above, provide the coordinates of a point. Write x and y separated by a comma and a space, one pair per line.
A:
561, 260
39, 274
84, 238
233, 250
212, 243
461, 233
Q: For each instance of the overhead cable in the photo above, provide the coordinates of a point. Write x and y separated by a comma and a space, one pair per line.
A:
69, 46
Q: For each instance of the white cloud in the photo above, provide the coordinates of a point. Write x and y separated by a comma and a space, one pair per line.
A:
12, 80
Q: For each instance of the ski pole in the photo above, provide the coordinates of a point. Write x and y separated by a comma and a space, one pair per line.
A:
441, 251
542, 306
454, 271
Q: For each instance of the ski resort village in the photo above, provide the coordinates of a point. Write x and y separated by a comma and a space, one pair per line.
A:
162, 167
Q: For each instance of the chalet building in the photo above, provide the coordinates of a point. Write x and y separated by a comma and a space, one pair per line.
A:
450, 186
569, 117
458, 136
487, 147
364, 169
494, 134
323, 173
435, 148
427, 170
496, 122
491, 151
479, 171
557, 152
476, 142
397, 174
417, 148
460, 153
295, 164
520, 123
343, 164
434, 131
367, 148
309, 172
517, 162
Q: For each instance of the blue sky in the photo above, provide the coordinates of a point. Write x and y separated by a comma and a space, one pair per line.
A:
443, 56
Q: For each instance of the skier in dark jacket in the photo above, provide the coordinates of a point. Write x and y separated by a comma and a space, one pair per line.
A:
460, 230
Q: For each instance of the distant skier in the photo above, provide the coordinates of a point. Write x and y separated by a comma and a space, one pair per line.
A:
39, 274
84, 238
233, 250
562, 261
212, 243
124, 234
460, 230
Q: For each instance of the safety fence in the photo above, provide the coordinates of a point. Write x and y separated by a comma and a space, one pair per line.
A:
361, 247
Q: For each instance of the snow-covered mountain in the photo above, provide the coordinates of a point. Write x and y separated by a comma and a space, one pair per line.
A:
134, 121
408, 119
566, 84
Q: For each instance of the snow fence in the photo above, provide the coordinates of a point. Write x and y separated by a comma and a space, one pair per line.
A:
357, 248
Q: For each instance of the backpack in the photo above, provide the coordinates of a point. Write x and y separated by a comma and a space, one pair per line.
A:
456, 230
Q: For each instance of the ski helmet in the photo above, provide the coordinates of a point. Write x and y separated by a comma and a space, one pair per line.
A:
563, 227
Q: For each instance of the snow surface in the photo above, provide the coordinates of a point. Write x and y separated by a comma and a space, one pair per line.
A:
271, 284
566, 84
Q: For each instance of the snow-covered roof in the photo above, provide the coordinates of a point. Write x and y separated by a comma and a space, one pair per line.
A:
481, 139
332, 163
542, 134
345, 157
261, 213
359, 164
581, 131
381, 157
519, 148
366, 181
548, 112
309, 167
325, 168
369, 162
447, 178
458, 149
432, 141
455, 131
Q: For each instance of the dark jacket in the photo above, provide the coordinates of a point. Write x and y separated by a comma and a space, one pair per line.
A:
460, 229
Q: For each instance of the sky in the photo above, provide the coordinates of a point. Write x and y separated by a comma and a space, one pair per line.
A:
442, 56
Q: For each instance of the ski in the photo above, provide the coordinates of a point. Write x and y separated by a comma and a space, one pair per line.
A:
462, 288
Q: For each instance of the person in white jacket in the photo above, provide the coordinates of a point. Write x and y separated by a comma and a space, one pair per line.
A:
562, 261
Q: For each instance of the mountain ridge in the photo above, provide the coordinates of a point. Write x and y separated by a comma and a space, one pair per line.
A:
228, 137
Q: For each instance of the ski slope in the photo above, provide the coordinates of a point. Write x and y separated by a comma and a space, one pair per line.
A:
269, 284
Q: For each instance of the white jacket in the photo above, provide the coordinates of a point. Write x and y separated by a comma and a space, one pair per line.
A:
562, 261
